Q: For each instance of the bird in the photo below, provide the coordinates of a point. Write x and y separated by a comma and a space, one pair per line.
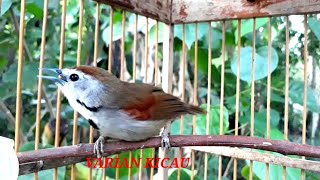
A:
120, 110
49, 132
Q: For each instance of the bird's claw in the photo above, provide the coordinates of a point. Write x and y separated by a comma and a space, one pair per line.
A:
98, 146
165, 142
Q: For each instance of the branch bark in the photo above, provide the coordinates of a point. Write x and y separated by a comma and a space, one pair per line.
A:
253, 155
34, 161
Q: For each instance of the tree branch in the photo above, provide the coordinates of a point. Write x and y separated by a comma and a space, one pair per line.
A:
12, 121
49, 158
250, 154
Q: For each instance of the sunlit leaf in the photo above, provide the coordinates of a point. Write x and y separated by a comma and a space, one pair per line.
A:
275, 171
296, 91
117, 33
6, 4
190, 35
314, 25
247, 26
261, 63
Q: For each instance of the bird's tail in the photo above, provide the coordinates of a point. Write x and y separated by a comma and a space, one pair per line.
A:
191, 109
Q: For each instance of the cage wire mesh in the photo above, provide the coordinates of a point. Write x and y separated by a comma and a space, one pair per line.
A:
255, 77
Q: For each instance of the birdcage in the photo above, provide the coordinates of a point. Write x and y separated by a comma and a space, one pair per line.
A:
252, 64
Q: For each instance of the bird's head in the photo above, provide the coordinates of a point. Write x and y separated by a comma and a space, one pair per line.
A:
80, 79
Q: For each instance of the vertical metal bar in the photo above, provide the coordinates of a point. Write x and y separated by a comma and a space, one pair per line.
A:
146, 53
123, 42
59, 95
222, 91
134, 76
96, 36
208, 99
134, 68
182, 87
237, 96
167, 74
252, 88
122, 64
269, 89
95, 59
19, 77
305, 88
75, 115
110, 57
156, 63
195, 97
286, 102
156, 82
41, 64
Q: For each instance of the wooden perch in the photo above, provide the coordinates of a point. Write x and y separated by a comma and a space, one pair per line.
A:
34, 161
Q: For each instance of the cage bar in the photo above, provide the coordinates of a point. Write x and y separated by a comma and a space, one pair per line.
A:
187, 11
252, 89
236, 129
19, 77
167, 74
286, 101
59, 95
110, 53
76, 115
195, 97
208, 99
222, 91
269, 88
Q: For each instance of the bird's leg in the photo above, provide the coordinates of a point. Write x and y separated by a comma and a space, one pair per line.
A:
165, 143
98, 146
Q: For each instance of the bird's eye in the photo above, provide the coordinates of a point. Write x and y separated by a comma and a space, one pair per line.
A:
74, 77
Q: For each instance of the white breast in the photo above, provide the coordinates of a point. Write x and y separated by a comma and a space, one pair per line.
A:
118, 125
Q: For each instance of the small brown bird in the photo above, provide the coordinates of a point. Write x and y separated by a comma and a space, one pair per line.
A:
118, 109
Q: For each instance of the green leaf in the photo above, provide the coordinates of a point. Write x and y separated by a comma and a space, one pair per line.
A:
190, 35
275, 134
314, 25
34, 9
46, 174
260, 120
214, 121
276, 171
29, 146
247, 26
3, 64
185, 174
117, 33
261, 63
153, 34
216, 41
30, 72
296, 93
187, 126
83, 172
6, 4
245, 172
123, 171
202, 58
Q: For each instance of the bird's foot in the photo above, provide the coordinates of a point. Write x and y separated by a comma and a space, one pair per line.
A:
98, 146
165, 142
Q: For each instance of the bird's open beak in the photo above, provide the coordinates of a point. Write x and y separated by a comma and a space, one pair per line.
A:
61, 80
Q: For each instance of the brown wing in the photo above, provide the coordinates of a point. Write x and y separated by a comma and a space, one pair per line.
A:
148, 102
